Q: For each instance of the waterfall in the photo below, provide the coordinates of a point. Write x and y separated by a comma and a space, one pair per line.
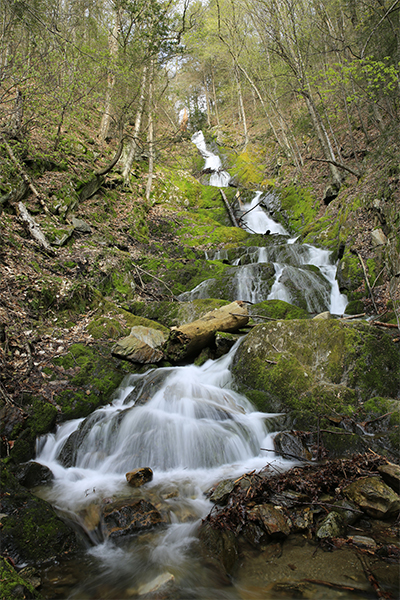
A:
295, 281
187, 424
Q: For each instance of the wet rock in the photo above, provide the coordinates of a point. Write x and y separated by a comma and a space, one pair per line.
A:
363, 542
255, 535
331, 526
290, 445
218, 546
162, 581
91, 516
270, 519
139, 477
143, 346
31, 530
224, 342
221, 493
32, 474
323, 316
289, 498
391, 476
348, 511
301, 518
374, 497
125, 517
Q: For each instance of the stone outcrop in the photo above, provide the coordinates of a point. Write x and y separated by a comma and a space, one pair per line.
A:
143, 345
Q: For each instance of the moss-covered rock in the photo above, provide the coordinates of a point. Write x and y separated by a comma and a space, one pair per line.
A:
310, 367
277, 309
13, 585
92, 377
31, 530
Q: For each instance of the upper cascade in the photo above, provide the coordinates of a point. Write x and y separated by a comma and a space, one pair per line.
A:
218, 177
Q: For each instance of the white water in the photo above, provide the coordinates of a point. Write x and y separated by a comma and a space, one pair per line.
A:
193, 431
218, 177
319, 293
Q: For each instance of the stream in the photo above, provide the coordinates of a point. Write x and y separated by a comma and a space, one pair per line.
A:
191, 428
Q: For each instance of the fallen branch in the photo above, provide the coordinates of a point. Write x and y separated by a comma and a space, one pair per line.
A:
33, 228
157, 279
191, 338
366, 279
336, 164
353, 317
229, 209
388, 325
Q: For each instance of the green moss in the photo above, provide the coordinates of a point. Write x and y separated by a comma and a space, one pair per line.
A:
300, 207
94, 375
13, 585
316, 366
278, 309
31, 530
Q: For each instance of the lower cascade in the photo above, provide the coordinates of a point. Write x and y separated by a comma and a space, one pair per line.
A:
192, 430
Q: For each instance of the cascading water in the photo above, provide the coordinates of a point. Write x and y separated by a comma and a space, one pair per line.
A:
193, 431
189, 427
301, 270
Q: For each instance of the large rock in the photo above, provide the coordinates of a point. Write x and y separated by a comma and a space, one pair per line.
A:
31, 531
374, 497
304, 365
129, 516
270, 519
143, 346
218, 546
391, 475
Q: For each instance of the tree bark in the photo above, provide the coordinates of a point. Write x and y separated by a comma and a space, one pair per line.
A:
33, 228
113, 48
190, 339
138, 121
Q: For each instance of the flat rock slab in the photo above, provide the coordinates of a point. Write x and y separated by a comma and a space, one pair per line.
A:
391, 475
143, 345
129, 516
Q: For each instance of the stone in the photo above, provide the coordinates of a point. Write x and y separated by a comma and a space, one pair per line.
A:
32, 474
156, 584
129, 516
348, 511
143, 345
218, 546
378, 238
323, 316
391, 476
301, 518
363, 542
331, 526
221, 493
290, 445
81, 226
139, 477
270, 519
374, 497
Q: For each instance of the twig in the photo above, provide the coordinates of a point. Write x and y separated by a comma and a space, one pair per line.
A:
353, 317
337, 586
284, 454
160, 280
262, 317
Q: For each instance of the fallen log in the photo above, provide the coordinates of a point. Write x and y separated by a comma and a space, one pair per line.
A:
191, 338
33, 228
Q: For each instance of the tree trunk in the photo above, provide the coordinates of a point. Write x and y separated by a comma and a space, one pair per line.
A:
241, 104
151, 137
32, 227
138, 121
113, 48
190, 339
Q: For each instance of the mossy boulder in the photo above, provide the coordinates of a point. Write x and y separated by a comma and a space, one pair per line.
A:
277, 309
13, 585
31, 530
93, 375
306, 367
